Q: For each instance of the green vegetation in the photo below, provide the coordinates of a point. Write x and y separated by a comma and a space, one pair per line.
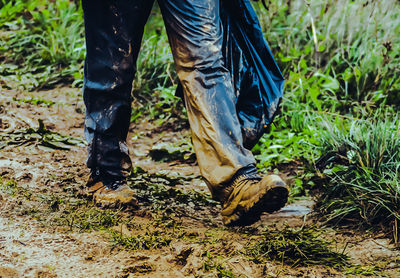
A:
87, 218
338, 131
214, 264
158, 192
41, 43
341, 62
350, 60
346, 69
35, 101
8, 186
147, 241
362, 166
40, 136
300, 247
179, 150
140, 268
305, 246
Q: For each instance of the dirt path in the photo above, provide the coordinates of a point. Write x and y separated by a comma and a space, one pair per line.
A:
48, 230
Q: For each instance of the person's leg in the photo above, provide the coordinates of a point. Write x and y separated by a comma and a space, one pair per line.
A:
114, 31
195, 35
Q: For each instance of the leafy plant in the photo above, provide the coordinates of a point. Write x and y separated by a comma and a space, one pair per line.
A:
41, 137
35, 101
147, 241
291, 138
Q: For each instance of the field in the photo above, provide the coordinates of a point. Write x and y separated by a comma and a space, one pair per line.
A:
335, 141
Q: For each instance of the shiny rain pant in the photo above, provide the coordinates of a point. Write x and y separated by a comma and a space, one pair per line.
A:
114, 30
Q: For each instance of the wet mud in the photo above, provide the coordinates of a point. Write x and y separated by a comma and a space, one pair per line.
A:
47, 229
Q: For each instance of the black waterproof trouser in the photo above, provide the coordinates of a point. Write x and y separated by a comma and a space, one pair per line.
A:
114, 31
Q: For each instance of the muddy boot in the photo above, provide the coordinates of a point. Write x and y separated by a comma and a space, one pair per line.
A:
251, 196
115, 194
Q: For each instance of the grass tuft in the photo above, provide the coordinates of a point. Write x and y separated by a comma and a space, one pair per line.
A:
158, 191
8, 186
147, 241
302, 247
214, 264
35, 101
42, 43
140, 268
89, 218
361, 169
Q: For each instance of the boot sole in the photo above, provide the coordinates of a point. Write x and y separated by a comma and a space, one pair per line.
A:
272, 200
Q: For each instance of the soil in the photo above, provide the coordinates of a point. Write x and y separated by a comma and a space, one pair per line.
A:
48, 229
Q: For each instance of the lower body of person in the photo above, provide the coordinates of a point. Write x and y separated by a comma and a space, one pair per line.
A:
114, 31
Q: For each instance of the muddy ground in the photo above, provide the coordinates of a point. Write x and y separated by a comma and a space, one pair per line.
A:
49, 229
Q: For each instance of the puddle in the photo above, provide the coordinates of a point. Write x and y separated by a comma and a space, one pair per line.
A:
297, 209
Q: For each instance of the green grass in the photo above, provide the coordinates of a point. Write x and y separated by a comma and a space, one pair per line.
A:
62, 210
291, 138
214, 264
139, 268
301, 247
86, 218
8, 186
360, 166
146, 241
35, 101
351, 58
341, 62
42, 43
345, 70
304, 247
158, 192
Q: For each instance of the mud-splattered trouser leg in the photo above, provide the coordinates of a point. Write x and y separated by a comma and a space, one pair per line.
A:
195, 35
114, 31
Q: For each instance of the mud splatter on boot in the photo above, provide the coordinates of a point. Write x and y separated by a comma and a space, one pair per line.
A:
250, 197
111, 194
